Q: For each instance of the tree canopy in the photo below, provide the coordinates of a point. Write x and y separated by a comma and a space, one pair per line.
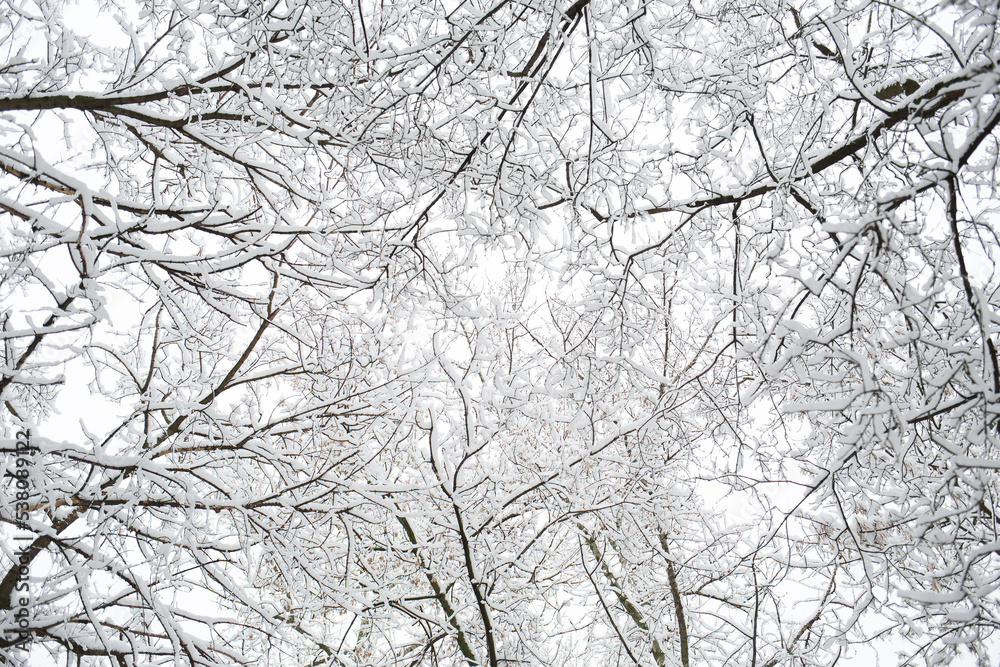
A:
494, 332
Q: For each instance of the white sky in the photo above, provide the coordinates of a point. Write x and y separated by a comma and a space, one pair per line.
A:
80, 405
